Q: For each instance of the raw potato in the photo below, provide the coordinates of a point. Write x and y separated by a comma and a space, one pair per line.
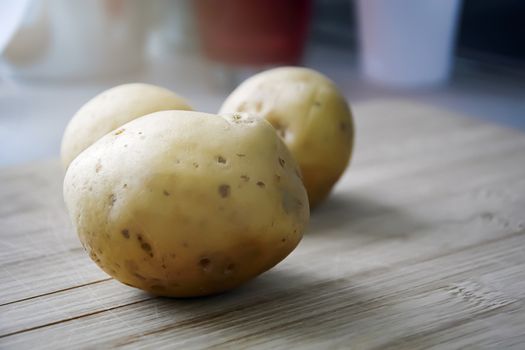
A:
186, 204
111, 109
310, 115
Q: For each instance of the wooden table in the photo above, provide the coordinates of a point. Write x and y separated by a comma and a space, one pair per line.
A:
421, 245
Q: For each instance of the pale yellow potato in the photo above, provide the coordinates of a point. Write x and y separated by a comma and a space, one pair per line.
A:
183, 204
111, 109
310, 115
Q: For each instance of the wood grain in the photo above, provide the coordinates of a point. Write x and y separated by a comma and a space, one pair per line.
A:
420, 246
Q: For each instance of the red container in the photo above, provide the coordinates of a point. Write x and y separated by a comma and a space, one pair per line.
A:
253, 32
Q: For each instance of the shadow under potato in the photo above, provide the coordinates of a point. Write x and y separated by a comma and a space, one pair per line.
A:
357, 213
280, 303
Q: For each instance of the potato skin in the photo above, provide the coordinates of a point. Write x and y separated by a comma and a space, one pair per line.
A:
111, 109
310, 115
185, 204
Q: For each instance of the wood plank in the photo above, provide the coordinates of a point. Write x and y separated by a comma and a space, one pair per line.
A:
61, 271
498, 330
69, 304
352, 308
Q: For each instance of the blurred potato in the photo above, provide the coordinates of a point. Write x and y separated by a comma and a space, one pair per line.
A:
111, 109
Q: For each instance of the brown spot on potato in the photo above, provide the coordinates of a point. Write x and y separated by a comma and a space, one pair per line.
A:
261, 184
112, 199
281, 162
317, 103
283, 240
125, 185
241, 155
239, 119
221, 160
245, 178
146, 246
125, 233
195, 165
139, 237
98, 166
343, 126
224, 191
277, 178
229, 269
164, 266
166, 193
205, 263
120, 131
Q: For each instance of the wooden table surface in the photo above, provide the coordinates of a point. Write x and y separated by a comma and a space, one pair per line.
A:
421, 245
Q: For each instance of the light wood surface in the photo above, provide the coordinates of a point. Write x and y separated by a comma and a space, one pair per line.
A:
422, 245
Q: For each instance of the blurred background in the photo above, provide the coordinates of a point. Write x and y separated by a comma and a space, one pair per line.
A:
467, 56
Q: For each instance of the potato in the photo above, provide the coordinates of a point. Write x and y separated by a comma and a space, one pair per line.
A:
184, 204
111, 109
310, 115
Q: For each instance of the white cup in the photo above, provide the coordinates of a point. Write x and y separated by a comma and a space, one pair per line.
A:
407, 43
